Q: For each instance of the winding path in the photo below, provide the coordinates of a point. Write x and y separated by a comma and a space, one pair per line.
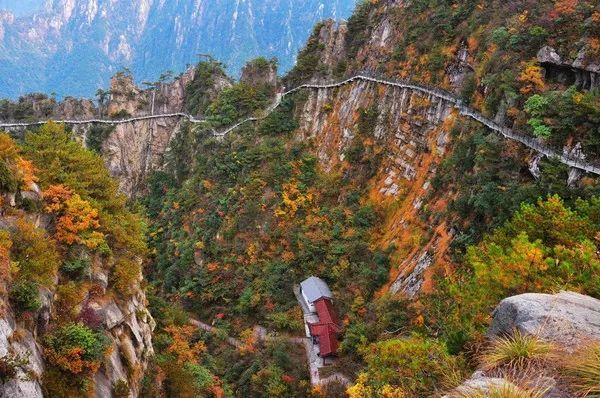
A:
532, 143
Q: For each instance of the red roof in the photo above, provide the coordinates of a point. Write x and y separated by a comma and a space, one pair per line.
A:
325, 311
327, 328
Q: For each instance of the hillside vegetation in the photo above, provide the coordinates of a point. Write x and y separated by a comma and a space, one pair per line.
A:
420, 220
237, 223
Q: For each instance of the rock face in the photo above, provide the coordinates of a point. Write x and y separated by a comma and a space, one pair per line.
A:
256, 74
580, 71
566, 318
409, 134
132, 151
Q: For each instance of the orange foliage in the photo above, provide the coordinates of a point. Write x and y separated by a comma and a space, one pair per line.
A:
78, 221
26, 172
22, 169
55, 197
249, 341
72, 361
563, 7
532, 78
181, 346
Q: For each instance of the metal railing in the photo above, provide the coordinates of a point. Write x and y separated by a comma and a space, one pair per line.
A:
364, 76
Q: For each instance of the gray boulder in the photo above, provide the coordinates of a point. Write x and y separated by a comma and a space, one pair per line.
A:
566, 318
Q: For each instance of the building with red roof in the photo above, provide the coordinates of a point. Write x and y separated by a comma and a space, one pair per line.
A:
325, 331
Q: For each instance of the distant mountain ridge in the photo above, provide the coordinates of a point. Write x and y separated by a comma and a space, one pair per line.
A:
72, 47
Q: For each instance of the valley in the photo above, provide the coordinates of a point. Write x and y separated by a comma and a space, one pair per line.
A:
434, 164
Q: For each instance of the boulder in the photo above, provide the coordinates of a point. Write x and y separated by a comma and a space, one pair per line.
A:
549, 55
566, 318
478, 383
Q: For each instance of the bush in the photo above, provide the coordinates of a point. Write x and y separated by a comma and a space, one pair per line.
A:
121, 389
35, 253
125, 275
10, 365
76, 348
77, 268
25, 297
8, 180
416, 366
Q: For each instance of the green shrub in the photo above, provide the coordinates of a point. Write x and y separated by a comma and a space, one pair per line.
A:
416, 365
8, 180
25, 297
121, 389
77, 268
76, 348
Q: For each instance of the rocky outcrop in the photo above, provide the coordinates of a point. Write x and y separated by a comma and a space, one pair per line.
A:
132, 151
566, 318
256, 73
581, 72
332, 38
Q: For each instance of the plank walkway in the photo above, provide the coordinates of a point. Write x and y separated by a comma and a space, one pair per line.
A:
530, 142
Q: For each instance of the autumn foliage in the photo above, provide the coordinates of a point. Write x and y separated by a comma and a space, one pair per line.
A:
531, 78
77, 221
181, 346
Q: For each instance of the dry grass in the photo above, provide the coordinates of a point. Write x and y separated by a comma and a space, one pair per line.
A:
515, 351
583, 370
504, 390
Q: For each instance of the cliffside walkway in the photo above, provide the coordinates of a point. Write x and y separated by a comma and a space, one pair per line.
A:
530, 142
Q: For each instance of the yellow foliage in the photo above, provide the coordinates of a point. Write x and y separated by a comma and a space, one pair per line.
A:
361, 390
125, 275
292, 200
10, 154
249, 341
531, 78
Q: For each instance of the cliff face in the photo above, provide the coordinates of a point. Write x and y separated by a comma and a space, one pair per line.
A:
127, 323
412, 130
133, 150
50, 283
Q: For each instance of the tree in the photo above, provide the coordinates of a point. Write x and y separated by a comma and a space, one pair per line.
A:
77, 221
531, 78
76, 348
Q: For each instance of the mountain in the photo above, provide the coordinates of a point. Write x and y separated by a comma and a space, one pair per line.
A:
22, 7
72, 47
434, 163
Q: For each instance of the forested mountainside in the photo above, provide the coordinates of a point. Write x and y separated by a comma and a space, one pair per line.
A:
73, 47
73, 309
461, 263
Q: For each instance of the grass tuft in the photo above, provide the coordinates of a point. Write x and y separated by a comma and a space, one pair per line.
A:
504, 390
583, 371
517, 351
